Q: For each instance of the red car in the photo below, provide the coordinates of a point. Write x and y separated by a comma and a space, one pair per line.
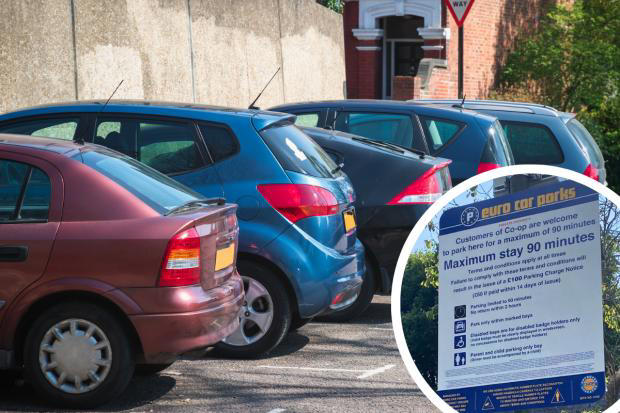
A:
106, 265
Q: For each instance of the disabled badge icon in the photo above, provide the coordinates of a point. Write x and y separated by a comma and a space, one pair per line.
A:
460, 342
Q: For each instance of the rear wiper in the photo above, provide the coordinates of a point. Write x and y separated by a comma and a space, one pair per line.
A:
337, 168
197, 202
379, 143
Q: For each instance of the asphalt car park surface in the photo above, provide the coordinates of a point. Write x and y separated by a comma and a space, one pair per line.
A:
323, 367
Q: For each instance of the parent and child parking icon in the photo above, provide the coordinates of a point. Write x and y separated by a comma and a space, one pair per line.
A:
460, 341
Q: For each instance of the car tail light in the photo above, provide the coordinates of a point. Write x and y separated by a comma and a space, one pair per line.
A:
182, 260
487, 166
425, 190
225, 250
591, 172
298, 201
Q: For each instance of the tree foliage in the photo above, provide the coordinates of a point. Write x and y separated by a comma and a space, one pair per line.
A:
572, 62
335, 5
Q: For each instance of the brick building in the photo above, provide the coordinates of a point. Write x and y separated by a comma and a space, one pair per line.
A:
403, 49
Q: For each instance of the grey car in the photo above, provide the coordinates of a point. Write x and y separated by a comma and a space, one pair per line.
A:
540, 134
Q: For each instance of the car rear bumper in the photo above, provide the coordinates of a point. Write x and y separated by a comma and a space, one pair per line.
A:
385, 232
317, 273
181, 319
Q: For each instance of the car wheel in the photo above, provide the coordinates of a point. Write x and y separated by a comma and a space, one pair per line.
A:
264, 318
151, 369
361, 303
78, 355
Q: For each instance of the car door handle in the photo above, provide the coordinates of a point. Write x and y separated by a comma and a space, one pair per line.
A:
13, 253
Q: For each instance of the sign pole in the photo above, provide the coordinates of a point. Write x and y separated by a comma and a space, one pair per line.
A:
459, 9
461, 62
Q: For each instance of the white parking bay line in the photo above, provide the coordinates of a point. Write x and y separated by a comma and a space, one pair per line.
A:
276, 411
379, 328
365, 373
376, 371
312, 369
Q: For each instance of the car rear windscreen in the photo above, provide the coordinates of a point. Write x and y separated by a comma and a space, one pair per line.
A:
532, 143
386, 127
297, 152
587, 141
152, 187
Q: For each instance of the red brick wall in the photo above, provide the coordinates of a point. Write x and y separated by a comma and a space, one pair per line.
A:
350, 18
403, 87
491, 30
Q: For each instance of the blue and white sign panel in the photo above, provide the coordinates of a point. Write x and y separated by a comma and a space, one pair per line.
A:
520, 301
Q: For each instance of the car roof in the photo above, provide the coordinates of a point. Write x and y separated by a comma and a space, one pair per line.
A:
501, 105
261, 118
27, 143
378, 103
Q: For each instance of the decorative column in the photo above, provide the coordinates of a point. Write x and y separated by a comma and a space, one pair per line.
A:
369, 42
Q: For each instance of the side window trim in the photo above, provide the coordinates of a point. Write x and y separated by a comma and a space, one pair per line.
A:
418, 135
22, 194
205, 156
203, 139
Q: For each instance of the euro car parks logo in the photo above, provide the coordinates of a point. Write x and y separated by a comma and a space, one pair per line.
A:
589, 384
470, 216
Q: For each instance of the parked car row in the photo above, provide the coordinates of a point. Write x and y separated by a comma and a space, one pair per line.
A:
122, 252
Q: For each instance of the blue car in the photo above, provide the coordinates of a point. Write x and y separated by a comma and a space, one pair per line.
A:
474, 142
540, 134
298, 251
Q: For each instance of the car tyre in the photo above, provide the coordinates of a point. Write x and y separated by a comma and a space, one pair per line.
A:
58, 335
264, 293
151, 369
360, 305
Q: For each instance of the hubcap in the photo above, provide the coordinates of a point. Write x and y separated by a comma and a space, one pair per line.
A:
75, 356
255, 316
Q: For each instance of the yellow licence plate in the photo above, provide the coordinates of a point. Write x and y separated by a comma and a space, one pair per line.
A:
224, 257
349, 221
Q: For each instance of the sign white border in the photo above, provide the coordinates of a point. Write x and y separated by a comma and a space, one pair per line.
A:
428, 217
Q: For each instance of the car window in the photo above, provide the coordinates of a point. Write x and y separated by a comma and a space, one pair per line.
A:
587, 141
117, 134
297, 152
168, 147
59, 128
438, 132
532, 143
307, 119
499, 145
18, 178
387, 127
219, 140
152, 187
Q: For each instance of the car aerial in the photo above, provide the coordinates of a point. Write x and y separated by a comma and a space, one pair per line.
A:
474, 142
394, 187
540, 134
298, 251
106, 264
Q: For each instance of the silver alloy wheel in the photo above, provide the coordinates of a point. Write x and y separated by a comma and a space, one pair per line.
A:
255, 316
75, 356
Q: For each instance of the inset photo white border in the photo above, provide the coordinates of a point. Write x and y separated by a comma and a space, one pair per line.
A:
428, 216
